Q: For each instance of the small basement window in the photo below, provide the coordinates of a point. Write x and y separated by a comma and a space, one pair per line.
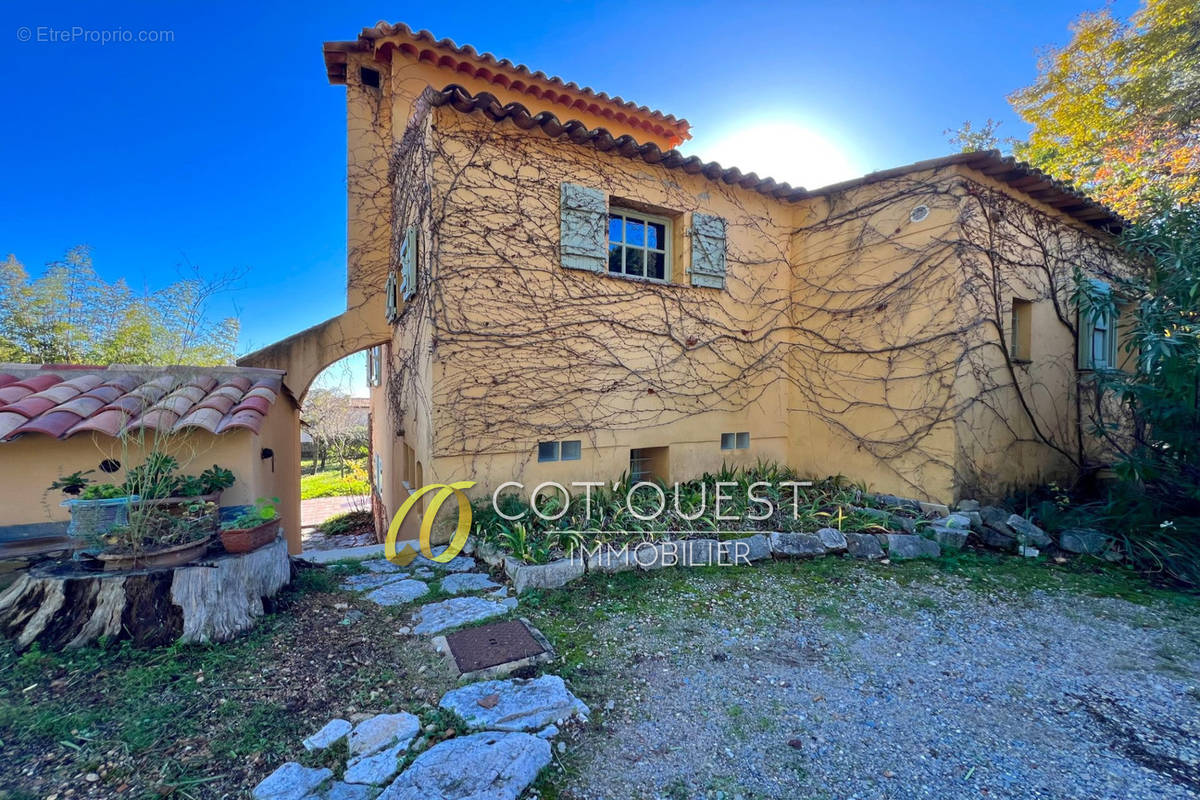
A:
735, 441
1021, 344
638, 244
369, 77
570, 450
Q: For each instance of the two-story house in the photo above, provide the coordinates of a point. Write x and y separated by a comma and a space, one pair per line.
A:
547, 290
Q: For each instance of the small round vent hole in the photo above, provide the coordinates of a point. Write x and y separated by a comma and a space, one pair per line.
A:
919, 213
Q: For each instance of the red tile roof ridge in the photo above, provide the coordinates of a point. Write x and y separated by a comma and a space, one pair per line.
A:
1024, 177
383, 29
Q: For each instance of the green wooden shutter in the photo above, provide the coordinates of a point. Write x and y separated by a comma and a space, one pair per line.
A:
408, 264
584, 235
389, 292
708, 251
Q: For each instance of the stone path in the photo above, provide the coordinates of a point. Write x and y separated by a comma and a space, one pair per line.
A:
315, 511
497, 761
510, 721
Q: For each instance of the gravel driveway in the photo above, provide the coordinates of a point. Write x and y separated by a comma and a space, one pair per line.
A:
846, 680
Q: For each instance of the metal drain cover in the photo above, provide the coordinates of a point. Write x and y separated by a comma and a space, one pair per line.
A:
492, 645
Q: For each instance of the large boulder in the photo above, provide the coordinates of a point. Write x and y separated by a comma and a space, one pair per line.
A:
832, 540
901, 546
1085, 541
864, 545
482, 766
1027, 532
796, 545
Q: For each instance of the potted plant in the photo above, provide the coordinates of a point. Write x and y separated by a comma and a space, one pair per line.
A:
253, 528
100, 509
155, 536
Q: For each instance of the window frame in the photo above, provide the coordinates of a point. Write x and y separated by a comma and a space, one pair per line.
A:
626, 213
375, 365
738, 440
1088, 324
1020, 342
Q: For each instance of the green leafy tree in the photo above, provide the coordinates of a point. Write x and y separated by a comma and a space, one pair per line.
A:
71, 315
1155, 508
1115, 111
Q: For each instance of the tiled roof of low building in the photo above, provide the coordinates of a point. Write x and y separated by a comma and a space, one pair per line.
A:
1017, 174
63, 400
424, 46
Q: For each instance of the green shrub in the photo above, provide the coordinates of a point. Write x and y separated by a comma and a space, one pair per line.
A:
350, 522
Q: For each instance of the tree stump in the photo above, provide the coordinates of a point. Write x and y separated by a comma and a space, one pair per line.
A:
212, 600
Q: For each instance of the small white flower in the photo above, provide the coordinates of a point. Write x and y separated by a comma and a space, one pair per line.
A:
1166, 523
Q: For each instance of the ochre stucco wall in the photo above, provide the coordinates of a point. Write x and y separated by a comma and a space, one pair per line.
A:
42, 460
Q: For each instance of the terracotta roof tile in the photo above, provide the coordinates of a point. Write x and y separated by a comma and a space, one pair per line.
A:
29, 407
207, 418
13, 393
59, 393
106, 393
254, 403
39, 382
218, 402
9, 422
119, 399
249, 419
84, 405
53, 423
84, 383
109, 422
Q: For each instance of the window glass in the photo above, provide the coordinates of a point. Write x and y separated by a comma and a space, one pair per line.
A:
633, 261
571, 450
637, 245
547, 451
727, 441
743, 440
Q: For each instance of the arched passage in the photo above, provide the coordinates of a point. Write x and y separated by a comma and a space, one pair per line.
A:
302, 357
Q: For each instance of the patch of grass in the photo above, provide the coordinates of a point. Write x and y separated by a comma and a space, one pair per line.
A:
331, 483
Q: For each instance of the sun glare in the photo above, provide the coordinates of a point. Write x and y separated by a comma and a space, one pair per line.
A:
786, 150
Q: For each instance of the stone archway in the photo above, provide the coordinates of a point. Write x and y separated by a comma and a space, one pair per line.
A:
303, 356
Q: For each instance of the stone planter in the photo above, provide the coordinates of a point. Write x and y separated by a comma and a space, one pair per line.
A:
244, 540
173, 556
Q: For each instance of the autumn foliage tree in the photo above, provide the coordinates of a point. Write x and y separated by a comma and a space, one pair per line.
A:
1117, 110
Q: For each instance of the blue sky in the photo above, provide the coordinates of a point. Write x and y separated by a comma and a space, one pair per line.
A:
225, 148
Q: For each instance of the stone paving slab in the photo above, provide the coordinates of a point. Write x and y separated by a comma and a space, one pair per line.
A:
437, 617
514, 705
460, 582
397, 593
483, 766
371, 580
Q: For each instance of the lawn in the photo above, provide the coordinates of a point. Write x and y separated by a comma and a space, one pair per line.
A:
332, 483
695, 659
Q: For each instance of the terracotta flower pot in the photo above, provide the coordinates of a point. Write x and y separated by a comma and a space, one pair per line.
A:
244, 540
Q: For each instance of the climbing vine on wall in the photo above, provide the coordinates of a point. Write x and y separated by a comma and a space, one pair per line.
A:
897, 338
